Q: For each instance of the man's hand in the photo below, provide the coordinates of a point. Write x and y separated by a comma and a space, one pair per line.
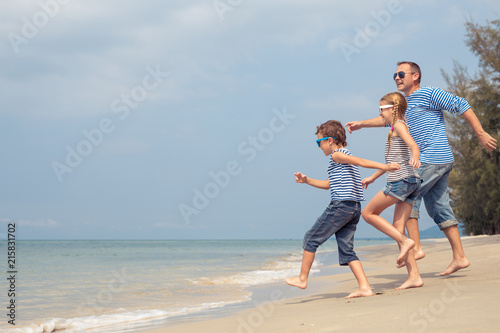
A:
353, 126
487, 141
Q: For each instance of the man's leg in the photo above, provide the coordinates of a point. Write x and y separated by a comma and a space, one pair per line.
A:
437, 203
459, 260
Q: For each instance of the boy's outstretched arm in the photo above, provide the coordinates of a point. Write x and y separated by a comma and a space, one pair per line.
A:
340, 157
357, 125
302, 179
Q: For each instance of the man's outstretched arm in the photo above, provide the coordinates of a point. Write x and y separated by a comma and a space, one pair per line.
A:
357, 125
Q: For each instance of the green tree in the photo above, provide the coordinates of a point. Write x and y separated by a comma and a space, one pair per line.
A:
475, 179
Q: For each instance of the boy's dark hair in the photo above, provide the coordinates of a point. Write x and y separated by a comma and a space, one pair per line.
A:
414, 68
335, 129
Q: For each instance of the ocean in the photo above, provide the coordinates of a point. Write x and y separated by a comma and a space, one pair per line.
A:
120, 286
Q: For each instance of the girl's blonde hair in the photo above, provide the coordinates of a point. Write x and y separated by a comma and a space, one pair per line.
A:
400, 104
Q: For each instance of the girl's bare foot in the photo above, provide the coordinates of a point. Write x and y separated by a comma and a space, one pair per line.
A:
297, 282
411, 283
419, 254
361, 293
406, 246
456, 264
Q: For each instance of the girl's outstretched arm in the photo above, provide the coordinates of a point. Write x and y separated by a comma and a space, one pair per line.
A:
303, 179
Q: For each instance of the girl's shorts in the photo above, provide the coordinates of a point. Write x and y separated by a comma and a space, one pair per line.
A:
406, 190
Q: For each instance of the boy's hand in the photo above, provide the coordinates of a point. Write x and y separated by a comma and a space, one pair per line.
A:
300, 178
393, 167
367, 181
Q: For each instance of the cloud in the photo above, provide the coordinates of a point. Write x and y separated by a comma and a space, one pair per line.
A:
42, 223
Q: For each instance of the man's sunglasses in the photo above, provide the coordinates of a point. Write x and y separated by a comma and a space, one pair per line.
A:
325, 138
401, 75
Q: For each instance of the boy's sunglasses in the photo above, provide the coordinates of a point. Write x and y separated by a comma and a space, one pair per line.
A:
325, 138
401, 75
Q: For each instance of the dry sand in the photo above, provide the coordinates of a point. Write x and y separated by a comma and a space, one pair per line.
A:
466, 301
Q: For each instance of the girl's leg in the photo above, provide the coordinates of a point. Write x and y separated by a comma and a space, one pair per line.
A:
364, 289
371, 214
301, 280
401, 215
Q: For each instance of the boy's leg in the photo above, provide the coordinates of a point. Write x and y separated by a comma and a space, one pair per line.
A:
401, 213
301, 280
347, 256
324, 228
364, 289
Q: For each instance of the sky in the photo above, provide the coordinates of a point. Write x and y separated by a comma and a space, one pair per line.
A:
187, 119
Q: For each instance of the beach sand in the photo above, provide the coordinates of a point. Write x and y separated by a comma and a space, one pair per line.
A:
466, 301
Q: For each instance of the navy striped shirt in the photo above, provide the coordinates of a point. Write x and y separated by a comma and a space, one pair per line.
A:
426, 120
345, 180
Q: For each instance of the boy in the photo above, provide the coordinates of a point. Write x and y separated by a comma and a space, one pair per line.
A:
342, 215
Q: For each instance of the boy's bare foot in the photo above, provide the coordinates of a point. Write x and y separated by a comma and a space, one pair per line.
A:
456, 264
407, 245
411, 283
361, 293
296, 282
419, 254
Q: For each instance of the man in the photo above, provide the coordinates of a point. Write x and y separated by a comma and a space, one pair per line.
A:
427, 127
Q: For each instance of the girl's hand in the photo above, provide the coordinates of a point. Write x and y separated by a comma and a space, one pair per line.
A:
300, 178
415, 163
367, 181
393, 167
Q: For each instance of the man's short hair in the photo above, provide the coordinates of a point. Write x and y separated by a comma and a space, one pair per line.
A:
414, 68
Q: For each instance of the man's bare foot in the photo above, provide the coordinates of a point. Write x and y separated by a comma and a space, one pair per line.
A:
456, 264
361, 293
419, 254
407, 245
296, 282
411, 283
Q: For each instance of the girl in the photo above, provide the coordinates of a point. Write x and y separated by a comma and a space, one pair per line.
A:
402, 187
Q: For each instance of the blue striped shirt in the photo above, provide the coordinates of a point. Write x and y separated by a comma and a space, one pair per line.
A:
345, 180
425, 117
